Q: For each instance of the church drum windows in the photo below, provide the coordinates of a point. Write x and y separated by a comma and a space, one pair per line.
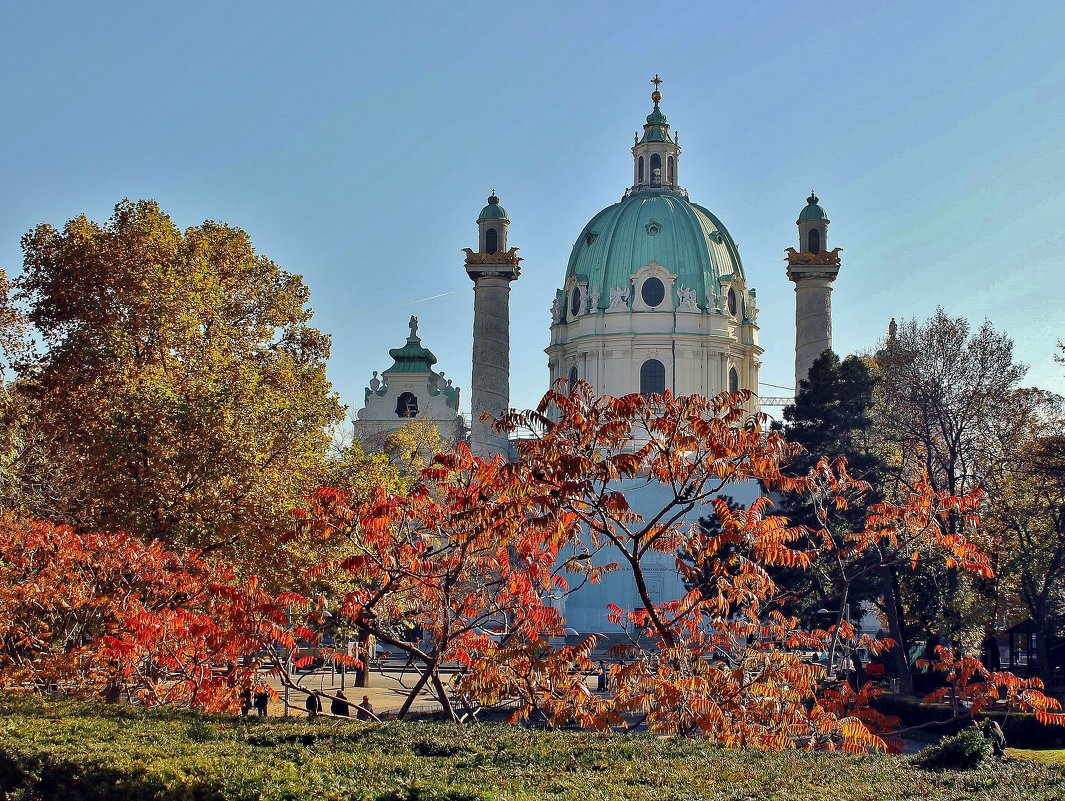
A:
653, 292
572, 377
639, 170
669, 171
407, 405
733, 380
491, 240
656, 169
652, 377
575, 302
732, 301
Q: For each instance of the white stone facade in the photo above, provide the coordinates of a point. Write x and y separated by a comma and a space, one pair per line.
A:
409, 391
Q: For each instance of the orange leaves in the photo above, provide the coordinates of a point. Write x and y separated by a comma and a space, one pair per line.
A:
108, 612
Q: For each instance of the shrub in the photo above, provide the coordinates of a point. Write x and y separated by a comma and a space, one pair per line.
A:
966, 750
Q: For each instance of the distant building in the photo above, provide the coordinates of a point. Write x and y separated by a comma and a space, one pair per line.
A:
409, 390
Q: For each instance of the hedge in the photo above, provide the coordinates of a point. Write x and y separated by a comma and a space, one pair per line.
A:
1022, 731
78, 751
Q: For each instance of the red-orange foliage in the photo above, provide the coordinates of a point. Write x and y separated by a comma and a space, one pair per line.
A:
107, 614
481, 547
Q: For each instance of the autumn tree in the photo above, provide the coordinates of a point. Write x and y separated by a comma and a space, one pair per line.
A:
179, 391
943, 389
1026, 518
478, 553
107, 615
443, 573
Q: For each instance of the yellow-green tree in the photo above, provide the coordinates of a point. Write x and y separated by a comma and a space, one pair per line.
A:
177, 390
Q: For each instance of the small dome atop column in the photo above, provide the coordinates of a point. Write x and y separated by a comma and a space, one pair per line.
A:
812, 211
493, 211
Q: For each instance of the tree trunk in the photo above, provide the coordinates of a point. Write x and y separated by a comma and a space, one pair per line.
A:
899, 652
364, 647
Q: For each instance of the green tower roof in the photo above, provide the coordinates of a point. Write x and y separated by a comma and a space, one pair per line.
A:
412, 357
656, 129
493, 211
812, 211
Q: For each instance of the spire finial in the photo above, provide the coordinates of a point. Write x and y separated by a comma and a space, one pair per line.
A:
413, 327
656, 96
493, 199
813, 197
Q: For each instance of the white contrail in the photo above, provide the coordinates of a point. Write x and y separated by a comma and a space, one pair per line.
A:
421, 300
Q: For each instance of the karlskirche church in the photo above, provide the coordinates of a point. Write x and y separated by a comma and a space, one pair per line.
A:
654, 297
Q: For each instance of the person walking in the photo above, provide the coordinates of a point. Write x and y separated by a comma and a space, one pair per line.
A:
340, 706
314, 705
364, 711
601, 683
245, 702
262, 698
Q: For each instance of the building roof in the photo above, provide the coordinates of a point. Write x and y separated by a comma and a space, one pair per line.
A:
812, 211
663, 227
493, 211
411, 358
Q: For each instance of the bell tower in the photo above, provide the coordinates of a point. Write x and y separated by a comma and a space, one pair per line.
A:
812, 268
491, 269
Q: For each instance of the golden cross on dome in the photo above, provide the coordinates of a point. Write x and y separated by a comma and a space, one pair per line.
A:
657, 81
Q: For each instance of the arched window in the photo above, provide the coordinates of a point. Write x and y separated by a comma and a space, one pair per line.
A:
407, 405
491, 240
733, 380
656, 170
572, 377
813, 241
639, 170
652, 377
669, 171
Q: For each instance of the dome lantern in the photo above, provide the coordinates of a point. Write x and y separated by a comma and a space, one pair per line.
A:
656, 155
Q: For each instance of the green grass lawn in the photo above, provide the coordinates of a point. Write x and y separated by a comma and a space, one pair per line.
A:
1053, 756
74, 751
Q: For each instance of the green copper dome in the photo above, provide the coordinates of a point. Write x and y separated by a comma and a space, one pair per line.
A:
683, 237
493, 211
411, 358
812, 211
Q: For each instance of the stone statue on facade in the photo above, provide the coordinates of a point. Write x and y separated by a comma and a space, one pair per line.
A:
594, 294
619, 300
751, 307
713, 299
413, 325
556, 310
689, 300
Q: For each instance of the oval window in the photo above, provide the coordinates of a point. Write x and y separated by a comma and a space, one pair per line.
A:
575, 302
653, 292
732, 301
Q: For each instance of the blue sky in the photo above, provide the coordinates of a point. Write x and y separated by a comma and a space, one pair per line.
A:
356, 143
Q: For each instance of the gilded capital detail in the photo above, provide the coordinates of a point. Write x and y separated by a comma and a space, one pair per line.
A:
825, 257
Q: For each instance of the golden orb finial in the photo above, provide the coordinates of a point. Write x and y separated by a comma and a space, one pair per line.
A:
656, 96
